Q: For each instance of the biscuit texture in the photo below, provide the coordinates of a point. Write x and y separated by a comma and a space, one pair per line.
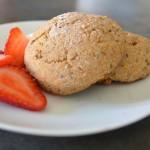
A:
136, 62
73, 51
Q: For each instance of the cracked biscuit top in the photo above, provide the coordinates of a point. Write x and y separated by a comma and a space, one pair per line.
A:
73, 51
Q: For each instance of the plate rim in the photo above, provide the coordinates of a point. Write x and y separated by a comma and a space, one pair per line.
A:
70, 133
22, 21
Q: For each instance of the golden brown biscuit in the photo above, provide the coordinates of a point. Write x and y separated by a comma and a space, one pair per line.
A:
136, 63
73, 51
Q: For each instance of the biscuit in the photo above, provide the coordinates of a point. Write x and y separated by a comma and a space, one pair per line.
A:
136, 63
73, 51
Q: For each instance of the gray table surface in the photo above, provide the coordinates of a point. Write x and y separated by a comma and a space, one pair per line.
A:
133, 15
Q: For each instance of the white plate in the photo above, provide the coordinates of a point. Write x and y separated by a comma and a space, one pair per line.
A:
98, 109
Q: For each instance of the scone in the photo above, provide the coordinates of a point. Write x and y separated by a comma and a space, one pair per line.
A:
73, 51
136, 63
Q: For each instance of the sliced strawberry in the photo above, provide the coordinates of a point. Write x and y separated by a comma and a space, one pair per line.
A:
5, 60
15, 46
1, 52
18, 88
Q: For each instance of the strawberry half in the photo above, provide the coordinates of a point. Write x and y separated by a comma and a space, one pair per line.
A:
15, 46
1, 52
5, 60
18, 88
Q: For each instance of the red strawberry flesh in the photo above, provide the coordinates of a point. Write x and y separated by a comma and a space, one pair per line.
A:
15, 46
18, 88
5, 60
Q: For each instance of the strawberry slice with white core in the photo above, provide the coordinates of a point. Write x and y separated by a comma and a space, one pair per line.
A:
15, 46
18, 88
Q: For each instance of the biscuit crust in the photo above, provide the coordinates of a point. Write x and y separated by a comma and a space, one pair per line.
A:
136, 63
73, 51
